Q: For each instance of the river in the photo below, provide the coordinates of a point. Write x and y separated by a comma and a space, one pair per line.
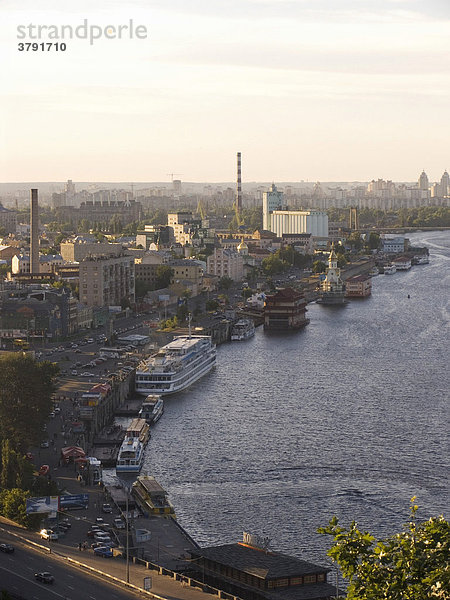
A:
348, 417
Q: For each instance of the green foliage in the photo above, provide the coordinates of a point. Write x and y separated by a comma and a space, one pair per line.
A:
182, 313
169, 324
13, 506
26, 387
374, 241
223, 299
411, 565
273, 264
341, 260
247, 292
225, 283
319, 266
4, 270
164, 274
212, 305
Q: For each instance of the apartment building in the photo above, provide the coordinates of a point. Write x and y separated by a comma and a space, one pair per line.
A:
107, 280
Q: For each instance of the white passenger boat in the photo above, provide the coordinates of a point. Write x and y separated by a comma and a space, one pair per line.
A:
176, 366
390, 269
131, 453
152, 408
243, 330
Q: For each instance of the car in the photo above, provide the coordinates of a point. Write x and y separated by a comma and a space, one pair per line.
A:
48, 534
102, 537
104, 551
74, 372
45, 444
52, 415
119, 524
45, 577
86, 374
57, 409
7, 548
100, 521
106, 508
90, 341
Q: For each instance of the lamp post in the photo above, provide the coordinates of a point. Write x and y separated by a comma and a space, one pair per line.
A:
127, 542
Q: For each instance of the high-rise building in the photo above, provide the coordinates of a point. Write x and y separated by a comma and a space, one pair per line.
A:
423, 181
272, 200
445, 184
34, 235
239, 184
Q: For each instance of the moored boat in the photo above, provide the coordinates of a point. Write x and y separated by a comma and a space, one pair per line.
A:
176, 366
390, 269
152, 408
131, 453
243, 330
152, 497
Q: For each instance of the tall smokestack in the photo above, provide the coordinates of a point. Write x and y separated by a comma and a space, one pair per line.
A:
239, 184
34, 233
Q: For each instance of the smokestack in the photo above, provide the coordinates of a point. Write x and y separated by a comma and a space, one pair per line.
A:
34, 233
239, 184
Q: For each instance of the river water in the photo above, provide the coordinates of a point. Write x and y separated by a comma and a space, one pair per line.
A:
348, 417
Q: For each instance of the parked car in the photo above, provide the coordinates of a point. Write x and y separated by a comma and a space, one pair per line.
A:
7, 548
102, 537
45, 444
106, 508
86, 374
45, 577
48, 534
74, 372
104, 551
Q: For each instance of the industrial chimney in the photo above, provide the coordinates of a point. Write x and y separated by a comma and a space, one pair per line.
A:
34, 233
239, 184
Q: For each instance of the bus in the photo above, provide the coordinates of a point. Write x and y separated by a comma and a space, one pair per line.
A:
111, 352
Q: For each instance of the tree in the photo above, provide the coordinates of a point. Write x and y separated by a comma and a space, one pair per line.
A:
211, 305
272, 264
225, 283
319, 266
26, 388
411, 565
164, 274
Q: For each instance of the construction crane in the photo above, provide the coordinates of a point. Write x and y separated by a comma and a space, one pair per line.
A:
172, 174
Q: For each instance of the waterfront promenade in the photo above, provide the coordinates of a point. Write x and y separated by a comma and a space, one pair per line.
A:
167, 548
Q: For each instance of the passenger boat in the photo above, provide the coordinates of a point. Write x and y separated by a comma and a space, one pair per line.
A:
243, 330
176, 366
390, 269
422, 260
131, 453
152, 408
151, 497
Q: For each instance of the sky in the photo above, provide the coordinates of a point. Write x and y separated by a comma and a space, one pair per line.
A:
314, 90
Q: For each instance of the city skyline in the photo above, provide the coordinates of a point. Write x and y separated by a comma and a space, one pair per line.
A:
304, 90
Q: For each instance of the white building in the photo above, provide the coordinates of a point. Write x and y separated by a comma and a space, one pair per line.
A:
394, 245
226, 263
314, 222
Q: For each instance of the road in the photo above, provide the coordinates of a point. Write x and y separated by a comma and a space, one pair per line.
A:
17, 576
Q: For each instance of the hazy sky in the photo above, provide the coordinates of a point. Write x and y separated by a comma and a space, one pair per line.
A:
305, 89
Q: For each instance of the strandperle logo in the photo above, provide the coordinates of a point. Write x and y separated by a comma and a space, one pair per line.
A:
85, 31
